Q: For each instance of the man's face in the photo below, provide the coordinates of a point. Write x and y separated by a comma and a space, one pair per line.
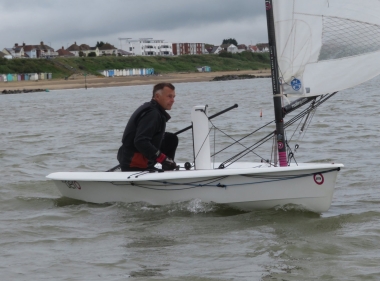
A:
166, 99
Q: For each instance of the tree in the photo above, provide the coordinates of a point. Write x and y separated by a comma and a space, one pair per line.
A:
230, 41
91, 54
81, 54
99, 44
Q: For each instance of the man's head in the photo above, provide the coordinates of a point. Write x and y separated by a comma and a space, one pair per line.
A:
164, 94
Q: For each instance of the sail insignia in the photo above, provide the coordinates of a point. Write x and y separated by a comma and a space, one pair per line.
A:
345, 38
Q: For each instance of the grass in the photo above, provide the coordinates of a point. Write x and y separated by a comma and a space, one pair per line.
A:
62, 67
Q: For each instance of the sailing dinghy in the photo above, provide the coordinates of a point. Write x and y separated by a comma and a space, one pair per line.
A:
317, 48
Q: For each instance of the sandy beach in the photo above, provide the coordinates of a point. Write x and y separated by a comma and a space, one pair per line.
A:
98, 82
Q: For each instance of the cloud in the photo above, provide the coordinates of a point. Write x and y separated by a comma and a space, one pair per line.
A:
60, 23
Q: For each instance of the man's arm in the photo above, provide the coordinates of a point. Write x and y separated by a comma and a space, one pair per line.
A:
148, 125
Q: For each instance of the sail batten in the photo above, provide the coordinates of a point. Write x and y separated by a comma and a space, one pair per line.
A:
326, 46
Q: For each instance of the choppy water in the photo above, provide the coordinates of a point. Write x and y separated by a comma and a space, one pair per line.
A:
46, 237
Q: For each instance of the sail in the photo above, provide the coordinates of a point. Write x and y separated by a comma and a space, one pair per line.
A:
324, 46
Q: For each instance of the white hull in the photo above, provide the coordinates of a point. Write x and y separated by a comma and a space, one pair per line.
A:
247, 186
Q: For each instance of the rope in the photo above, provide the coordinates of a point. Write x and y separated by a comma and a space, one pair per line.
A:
287, 124
236, 141
192, 185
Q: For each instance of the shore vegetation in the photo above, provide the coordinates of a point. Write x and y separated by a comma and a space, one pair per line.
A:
65, 67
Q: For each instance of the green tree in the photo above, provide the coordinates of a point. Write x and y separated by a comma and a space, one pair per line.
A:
91, 54
230, 41
81, 54
99, 44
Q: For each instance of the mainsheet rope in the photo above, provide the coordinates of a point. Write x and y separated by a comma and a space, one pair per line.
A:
192, 185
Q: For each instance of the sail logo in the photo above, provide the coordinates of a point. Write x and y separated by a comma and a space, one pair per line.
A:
280, 145
296, 84
319, 179
72, 184
268, 6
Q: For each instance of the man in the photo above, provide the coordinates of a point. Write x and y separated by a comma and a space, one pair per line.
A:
144, 140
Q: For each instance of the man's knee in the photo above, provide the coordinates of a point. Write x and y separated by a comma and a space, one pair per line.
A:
171, 139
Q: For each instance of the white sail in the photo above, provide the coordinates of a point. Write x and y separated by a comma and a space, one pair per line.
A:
324, 46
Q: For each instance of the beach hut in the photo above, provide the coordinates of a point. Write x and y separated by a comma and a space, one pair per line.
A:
111, 73
124, 72
149, 71
9, 77
22, 76
45, 76
41, 76
204, 69
104, 73
1, 78
27, 77
4, 78
141, 71
50, 75
15, 77
130, 72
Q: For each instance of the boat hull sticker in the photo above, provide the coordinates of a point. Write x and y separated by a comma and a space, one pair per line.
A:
72, 184
319, 179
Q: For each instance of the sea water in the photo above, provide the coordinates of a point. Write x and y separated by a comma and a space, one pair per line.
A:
44, 236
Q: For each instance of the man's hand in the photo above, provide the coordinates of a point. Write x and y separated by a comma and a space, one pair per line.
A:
167, 163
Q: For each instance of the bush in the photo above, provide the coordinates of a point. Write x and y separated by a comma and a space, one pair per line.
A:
92, 54
225, 54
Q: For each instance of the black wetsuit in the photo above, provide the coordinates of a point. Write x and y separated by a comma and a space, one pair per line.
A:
143, 137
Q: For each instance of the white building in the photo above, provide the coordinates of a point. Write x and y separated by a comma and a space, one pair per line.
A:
149, 47
231, 48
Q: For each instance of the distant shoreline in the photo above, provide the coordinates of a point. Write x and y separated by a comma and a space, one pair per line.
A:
103, 82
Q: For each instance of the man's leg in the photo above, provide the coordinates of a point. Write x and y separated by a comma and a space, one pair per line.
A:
169, 145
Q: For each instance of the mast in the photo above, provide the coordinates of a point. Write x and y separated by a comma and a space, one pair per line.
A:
277, 99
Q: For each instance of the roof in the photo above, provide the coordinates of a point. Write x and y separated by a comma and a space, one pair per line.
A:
73, 47
84, 47
28, 48
37, 47
242, 47
18, 49
214, 49
253, 48
64, 53
124, 53
107, 46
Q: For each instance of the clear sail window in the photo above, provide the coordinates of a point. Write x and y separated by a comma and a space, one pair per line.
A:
345, 38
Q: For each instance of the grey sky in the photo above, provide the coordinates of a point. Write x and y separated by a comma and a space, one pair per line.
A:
61, 22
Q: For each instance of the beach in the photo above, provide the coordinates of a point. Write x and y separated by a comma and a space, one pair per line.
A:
78, 82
